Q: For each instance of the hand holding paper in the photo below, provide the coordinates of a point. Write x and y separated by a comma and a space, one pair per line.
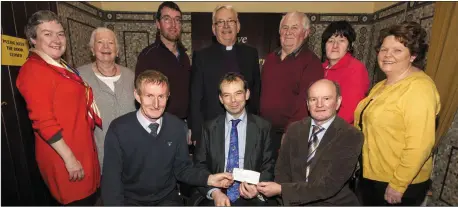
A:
248, 176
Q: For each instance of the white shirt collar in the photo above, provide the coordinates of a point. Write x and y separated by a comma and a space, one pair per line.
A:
146, 122
242, 117
326, 125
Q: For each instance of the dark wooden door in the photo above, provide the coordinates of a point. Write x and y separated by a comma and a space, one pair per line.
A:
21, 180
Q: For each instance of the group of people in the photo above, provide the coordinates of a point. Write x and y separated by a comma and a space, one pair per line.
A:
301, 123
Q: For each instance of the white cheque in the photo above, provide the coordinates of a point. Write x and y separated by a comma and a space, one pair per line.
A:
248, 176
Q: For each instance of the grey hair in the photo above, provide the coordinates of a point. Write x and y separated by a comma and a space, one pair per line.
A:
228, 7
36, 19
101, 29
304, 18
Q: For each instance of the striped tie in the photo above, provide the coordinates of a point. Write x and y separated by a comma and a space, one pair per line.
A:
313, 144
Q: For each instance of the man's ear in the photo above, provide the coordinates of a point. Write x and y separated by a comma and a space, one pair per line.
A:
238, 26
137, 96
247, 94
339, 101
214, 29
220, 99
306, 33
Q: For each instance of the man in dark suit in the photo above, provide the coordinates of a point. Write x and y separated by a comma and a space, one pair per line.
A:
316, 171
235, 140
211, 63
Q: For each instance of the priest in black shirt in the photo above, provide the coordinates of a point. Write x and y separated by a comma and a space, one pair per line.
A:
211, 63
146, 152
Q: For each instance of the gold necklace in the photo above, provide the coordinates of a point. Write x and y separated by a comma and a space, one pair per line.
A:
114, 67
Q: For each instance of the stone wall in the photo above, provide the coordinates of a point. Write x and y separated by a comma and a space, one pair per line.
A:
136, 30
421, 12
445, 174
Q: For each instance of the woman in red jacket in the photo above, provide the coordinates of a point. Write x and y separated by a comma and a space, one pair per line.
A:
340, 66
63, 114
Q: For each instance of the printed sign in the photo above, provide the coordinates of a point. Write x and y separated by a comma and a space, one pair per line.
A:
14, 50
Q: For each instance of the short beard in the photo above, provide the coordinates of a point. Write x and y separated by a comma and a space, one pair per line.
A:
170, 38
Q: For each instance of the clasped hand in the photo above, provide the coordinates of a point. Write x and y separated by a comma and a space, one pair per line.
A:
269, 189
246, 190
220, 180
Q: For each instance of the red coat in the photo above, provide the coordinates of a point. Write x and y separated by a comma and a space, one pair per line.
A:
353, 79
57, 103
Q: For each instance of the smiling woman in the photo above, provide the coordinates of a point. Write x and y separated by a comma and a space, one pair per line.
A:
112, 83
398, 122
63, 114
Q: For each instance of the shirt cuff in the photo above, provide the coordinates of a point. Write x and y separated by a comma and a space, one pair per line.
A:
209, 193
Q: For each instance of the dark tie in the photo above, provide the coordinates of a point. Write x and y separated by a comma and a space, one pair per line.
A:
233, 161
153, 127
313, 145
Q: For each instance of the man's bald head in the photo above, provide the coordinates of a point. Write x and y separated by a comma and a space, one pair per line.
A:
324, 100
326, 83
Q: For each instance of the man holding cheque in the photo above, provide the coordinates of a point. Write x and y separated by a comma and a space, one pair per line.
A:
245, 140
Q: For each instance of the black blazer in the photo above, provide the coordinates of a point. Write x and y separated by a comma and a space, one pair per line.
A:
259, 152
331, 168
206, 72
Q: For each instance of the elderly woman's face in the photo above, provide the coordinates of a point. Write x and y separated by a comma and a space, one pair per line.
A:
50, 39
104, 47
336, 47
394, 56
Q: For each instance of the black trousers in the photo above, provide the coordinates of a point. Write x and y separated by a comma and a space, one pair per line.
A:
242, 202
172, 199
372, 193
88, 201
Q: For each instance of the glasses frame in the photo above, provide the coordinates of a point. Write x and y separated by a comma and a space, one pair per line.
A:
221, 23
168, 19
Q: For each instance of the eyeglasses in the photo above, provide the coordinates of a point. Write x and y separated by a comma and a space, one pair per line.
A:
168, 20
221, 23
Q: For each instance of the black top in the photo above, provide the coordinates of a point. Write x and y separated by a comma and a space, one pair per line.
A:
142, 168
209, 65
177, 69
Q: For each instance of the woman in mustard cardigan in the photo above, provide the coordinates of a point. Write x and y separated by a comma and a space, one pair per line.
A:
398, 122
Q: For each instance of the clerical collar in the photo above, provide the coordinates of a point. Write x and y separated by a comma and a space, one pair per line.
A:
226, 48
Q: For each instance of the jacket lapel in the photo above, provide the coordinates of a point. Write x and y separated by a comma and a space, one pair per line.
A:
219, 132
330, 134
303, 144
251, 142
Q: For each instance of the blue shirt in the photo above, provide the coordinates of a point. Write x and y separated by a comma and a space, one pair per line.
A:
241, 132
321, 134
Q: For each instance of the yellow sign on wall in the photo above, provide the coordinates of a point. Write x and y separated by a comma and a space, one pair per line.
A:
14, 50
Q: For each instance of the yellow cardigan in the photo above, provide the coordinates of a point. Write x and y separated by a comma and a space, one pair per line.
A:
399, 131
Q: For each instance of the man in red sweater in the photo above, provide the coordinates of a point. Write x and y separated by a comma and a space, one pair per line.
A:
286, 75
